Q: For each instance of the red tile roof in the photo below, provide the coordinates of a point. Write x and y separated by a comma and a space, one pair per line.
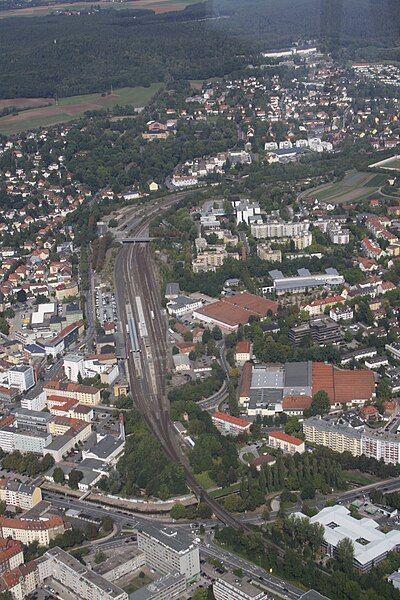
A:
220, 416
243, 347
237, 310
284, 437
34, 524
342, 386
245, 382
296, 402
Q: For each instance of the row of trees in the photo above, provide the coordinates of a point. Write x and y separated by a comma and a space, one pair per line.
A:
27, 464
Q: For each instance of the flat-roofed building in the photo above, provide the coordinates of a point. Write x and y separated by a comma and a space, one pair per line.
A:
231, 587
371, 546
169, 550
21, 377
77, 579
168, 587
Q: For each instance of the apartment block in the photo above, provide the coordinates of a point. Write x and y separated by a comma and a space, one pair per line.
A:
77, 579
169, 550
336, 437
21, 377
287, 443
32, 530
23, 495
340, 438
230, 587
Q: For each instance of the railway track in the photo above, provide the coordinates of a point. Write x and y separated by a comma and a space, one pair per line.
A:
135, 276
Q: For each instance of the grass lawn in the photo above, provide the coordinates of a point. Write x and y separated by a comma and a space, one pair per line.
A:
136, 583
225, 491
358, 478
73, 107
205, 480
248, 456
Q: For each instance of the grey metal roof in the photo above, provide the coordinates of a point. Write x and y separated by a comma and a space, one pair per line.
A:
156, 588
179, 541
298, 374
267, 377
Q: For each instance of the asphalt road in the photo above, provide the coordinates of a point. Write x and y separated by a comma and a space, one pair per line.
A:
267, 580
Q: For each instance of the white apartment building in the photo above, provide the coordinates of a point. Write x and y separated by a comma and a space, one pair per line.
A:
73, 365
230, 587
341, 313
37, 403
169, 550
279, 229
245, 210
373, 444
77, 579
337, 234
21, 377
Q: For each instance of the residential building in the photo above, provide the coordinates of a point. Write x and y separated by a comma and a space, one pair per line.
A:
243, 352
341, 313
77, 579
32, 530
339, 438
279, 229
318, 306
287, 443
23, 495
169, 587
21, 377
169, 550
380, 445
11, 555
230, 425
231, 587
85, 394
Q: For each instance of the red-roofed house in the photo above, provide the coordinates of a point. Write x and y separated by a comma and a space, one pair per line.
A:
230, 425
296, 405
317, 307
243, 352
287, 443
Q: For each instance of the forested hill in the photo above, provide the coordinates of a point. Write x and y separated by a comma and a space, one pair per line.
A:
70, 55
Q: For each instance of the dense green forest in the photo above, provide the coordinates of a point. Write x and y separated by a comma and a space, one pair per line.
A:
65, 56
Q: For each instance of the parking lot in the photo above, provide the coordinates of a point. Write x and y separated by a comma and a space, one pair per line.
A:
106, 307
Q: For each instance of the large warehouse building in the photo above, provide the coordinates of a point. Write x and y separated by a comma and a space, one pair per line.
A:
231, 311
267, 390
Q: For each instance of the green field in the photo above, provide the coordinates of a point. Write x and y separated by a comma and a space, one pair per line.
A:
393, 164
225, 491
357, 478
354, 187
74, 107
